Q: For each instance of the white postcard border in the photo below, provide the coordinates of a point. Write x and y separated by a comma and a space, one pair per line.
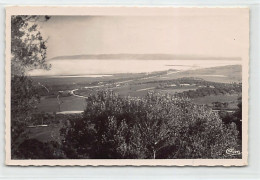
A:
121, 11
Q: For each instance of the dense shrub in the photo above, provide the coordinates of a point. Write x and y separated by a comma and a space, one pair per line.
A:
216, 90
235, 117
23, 104
156, 126
34, 149
205, 88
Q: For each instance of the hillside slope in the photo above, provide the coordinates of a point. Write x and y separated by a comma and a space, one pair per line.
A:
225, 74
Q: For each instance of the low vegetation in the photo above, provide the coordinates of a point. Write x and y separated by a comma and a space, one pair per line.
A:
156, 126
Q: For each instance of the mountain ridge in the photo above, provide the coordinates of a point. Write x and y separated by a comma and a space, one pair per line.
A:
125, 56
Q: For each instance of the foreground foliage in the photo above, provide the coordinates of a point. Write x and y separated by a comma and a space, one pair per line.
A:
157, 126
28, 51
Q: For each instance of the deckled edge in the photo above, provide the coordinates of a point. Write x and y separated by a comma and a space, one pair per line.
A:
62, 162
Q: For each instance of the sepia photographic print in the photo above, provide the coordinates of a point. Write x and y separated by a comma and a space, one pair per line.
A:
154, 86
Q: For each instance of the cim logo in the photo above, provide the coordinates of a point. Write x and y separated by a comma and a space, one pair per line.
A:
233, 152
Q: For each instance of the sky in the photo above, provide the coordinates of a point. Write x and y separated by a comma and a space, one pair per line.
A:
201, 34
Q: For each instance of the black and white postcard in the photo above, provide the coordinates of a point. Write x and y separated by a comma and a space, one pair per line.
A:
153, 86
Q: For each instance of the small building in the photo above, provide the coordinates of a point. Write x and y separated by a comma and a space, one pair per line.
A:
184, 84
173, 85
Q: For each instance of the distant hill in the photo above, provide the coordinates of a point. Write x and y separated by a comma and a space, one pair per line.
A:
230, 73
143, 57
222, 74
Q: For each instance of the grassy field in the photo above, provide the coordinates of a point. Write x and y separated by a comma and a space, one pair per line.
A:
231, 99
45, 134
51, 132
70, 103
175, 90
76, 80
136, 85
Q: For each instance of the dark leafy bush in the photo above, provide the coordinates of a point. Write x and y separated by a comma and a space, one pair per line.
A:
34, 149
235, 117
156, 126
23, 104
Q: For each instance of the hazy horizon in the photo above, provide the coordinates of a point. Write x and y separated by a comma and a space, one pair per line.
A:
70, 67
142, 56
196, 36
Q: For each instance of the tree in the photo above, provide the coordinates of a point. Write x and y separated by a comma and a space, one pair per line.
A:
157, 126
235, 117
28, 51
28, 48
